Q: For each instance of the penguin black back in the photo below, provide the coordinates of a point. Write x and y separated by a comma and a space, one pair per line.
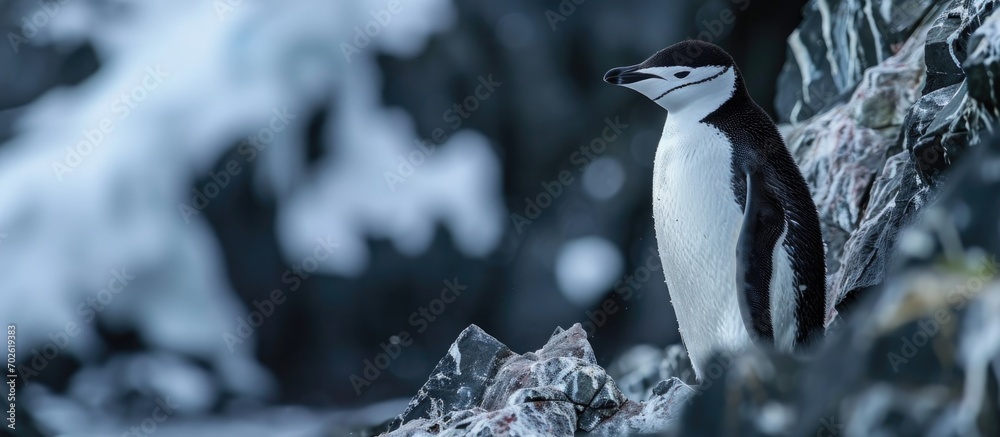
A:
759, 148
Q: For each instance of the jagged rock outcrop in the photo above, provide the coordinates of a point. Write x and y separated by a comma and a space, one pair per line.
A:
483, 388
833, 47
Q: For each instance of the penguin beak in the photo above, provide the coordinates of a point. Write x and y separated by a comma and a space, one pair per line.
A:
626, 75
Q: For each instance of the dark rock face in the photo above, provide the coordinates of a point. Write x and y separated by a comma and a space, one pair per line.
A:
896, 195
474, 353
981, 66
836, 42
843, 151
877, 156
482, 388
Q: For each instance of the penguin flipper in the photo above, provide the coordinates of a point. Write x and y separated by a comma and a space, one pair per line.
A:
763, 223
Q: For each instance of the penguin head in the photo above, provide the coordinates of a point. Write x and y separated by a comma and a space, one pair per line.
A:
690, 76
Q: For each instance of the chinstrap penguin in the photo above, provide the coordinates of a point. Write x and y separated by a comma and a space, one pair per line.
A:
737, 230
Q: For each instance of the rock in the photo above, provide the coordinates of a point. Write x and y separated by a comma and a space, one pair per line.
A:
640, 369
875, 159
676, 364
944, 45
836, 42
967, 213
943, 138
658, 414
841, 151
637, 371
885, 93
483, 387
982, 69
453, 386
918, 123
893, 200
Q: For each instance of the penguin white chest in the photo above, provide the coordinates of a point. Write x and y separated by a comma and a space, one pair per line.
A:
698, 221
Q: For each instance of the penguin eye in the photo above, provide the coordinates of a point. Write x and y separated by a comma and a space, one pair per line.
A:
681, 74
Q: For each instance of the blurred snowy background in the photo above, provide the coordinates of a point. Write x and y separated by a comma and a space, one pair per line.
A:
271, 217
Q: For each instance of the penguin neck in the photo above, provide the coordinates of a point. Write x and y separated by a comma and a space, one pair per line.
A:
696, 104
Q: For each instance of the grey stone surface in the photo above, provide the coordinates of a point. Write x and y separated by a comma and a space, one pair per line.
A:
836, 43
875, 158
482, 388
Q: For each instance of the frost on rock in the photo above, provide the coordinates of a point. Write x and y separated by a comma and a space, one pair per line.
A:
556, 390
874, 158
640, 369
837, 41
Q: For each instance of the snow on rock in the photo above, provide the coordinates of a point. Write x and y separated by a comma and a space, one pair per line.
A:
875, 158
556, 390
